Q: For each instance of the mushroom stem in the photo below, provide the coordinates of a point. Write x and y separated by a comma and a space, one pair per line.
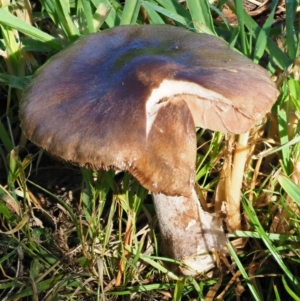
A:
189, 234
240, 157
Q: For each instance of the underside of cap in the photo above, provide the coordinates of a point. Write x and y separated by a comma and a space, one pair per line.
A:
130, 97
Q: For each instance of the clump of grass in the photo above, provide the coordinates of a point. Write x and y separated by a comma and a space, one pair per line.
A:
69, 234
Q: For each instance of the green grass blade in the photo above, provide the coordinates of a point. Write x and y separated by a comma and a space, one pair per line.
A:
277, 295
172, 6
49, 8
102, 14
130, 12
87, 8
241, 21
42, 286
10, 20
5, 215
154, 17
289, 290
12, 49
272, 49
141, 288
169, 14
284, 139
14, 81
292, 41
232, 252
290, 188
29, 44
294, 91
159, 267
109, 226
249, 210
262, 38
279, 148
179, 289
5, 138
201, 16
112, 19
272, 236
218, 11
85, 16
63, 12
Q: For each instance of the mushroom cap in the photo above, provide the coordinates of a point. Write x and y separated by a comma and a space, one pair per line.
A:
130, 98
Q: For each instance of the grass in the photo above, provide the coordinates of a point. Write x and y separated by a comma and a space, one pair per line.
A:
70, 234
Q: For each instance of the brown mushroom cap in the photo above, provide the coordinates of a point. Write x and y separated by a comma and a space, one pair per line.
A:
130, 97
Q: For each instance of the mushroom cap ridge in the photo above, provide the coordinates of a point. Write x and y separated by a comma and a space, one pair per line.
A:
130, 97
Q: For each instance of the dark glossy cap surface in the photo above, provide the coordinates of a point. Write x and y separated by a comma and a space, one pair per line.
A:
130, 97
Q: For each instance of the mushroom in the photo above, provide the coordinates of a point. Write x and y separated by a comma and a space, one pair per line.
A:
129, 98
